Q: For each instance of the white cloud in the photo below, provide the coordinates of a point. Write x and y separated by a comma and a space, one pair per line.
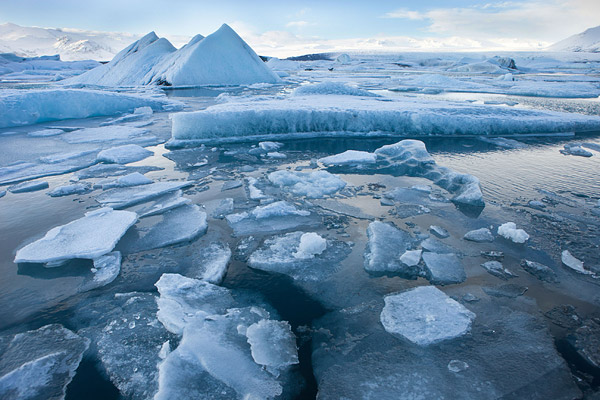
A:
296, 24
532, 20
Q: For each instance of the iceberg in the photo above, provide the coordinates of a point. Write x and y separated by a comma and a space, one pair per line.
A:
90, 237
33, 106
351, 116
425, 315
313, 185
39, 364
124, 154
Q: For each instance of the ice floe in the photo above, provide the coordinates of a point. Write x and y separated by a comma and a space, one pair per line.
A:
28, 187
125, 197
349, 157
315, 184
213, 263
124, 154
425, 315
443, 269
105, 270
273, 217
385, 249
92, 236
67, 190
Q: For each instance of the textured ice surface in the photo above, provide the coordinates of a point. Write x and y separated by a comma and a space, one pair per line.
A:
443, 269
179, 225
67, 190
479, 235
541, 271
22, 171
133, 179
182, 299
28, 187
330, 115
387, 244
411, 257
331, 88
106, 170
45, 133
89, 237
509, 231
349, 157
436, 246
106, 268
32, 106
311, 245
575, 149
439, 231
425, 315
124, 154
120, 134
212, 263
162, 204
273, 217
573, 263
121, 198
285, 254
39, 364
272, 344
495, 268
341, 208
315, 184
126, 338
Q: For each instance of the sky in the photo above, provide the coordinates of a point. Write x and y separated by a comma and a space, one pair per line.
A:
285, 28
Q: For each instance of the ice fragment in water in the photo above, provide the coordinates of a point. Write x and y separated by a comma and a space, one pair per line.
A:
311, 244
124, 154
310, 184
541, 271
106, 269
425, 315
26, 187
495, 268
162, 204
575, 149
89, 237
509, 231
67, 190
212, 263
349, 157
573, 263
479, 235
272, 217
387, 244
439, 231
443, 269
121, 198
133, 179
272, 344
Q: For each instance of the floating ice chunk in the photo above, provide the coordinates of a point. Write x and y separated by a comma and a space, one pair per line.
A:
276, 155
312, 184
573, 263
121, 198
412, 152
40, 364
341, 208
26, 107
479, 235
575, 149
286, 254
538, 205
272, 344
541, 271
106, 170
106, 269
124, 154
45, 133
331, 88
67, 190
231, 185
438, 231
273, 217
311, 245
89, 237
349, 157
163, 204
213, 265
436, 246
127, 339
182, 224
219, 208
270, 146
110, 134
509, 290
318, 115
182, 299
214, 345
425, 315
253, 192
387, 244
23, 171
133, 179
443, 269
411, 257
495, 268
26, 187
509, 231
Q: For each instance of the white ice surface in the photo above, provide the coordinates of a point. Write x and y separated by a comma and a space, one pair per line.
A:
272, 343
92, 236
349, 157
509, 231
311, 245
315, 184
425, 315
124, 154
124, 197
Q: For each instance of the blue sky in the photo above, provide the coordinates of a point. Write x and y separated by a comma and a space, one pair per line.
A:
325, 23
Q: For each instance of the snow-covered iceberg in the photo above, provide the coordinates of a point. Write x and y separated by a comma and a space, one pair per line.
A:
347, 116
221, 58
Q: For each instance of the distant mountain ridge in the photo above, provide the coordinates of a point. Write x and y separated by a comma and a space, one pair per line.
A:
587, 41
70, 44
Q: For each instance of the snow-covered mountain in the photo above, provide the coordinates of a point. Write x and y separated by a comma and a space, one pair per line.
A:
70, 44
587, 41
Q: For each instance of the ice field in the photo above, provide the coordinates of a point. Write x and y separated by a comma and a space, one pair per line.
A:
200, 223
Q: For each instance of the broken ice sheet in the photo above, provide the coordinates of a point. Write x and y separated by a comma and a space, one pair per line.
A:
39, 364
273, 217
387, 244
124, 197
211, 264
161, 204
443, 269
315, 184
285, 254
124, 154
91, 236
